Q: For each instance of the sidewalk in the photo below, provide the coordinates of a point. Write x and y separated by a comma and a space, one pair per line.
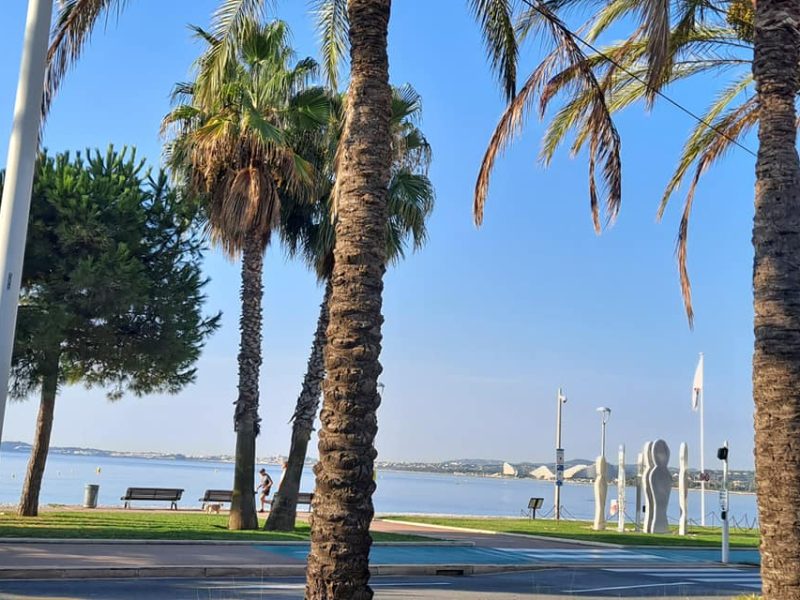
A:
465, 553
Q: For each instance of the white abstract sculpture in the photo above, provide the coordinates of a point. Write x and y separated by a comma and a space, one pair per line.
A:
683, 488
600, 493
647, 491
659, 482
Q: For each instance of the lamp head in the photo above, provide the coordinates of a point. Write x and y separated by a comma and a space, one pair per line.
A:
605, 413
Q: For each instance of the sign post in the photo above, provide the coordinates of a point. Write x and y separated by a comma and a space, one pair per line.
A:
722, 454
559, 481
621, 489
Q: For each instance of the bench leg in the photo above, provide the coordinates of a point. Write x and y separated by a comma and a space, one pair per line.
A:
174, 506
127, 504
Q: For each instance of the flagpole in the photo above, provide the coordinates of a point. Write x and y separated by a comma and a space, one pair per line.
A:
702, 401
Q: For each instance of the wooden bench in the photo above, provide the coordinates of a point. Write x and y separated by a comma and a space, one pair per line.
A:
171, 495
302, 498
216, 496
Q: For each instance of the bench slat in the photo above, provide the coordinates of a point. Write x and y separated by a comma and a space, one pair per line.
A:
217, 496
171, 495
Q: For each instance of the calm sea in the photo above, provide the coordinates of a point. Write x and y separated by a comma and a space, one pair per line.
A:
397, 492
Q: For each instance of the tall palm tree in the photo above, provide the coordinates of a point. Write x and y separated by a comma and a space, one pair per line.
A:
308, 230
338, 564
673, 43
232, 143
776, 290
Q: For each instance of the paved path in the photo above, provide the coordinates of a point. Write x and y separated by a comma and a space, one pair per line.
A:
614, 569
550, 584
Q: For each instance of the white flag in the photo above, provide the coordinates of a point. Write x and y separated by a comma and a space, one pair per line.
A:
697, 386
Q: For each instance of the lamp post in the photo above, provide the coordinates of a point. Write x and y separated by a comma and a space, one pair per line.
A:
22, 147
561, 399
605, 415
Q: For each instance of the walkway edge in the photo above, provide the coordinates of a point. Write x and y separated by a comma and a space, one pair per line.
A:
119, 542
517, 535
263, 571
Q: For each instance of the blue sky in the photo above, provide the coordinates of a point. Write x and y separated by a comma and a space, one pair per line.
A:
482, 326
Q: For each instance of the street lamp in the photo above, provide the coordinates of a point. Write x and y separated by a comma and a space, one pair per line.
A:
605, 415
561, 399
20, 162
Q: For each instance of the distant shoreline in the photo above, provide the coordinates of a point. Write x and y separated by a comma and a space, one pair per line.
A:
415, 467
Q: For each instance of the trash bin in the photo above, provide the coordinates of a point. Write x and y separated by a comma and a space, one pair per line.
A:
90, 495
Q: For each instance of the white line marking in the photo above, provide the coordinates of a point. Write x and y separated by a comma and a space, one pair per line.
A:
410, 584
629, 587
721, 570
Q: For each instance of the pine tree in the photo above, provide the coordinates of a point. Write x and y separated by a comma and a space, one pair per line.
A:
112, 290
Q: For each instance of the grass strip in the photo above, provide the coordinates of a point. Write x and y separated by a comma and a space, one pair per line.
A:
146, 525
700, 537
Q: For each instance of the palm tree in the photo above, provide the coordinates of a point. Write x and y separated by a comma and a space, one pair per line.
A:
776, 289
232, 143
308, 230
338, 564
673, 44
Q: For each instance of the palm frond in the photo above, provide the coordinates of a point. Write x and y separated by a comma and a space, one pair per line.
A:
496, 19
701, 135
656, 23
72, 30
604, 138
333, 28
231, 24
608, 15
733, 125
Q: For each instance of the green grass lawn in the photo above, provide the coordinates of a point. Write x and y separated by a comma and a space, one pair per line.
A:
582, 530
150, 526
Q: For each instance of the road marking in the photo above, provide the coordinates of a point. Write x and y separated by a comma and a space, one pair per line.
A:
745, 578
301, 586
629, 587
410, 584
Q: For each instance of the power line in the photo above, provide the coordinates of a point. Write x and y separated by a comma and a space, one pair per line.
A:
550, 17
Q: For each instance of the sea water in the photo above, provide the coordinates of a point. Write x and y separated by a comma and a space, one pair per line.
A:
398, 492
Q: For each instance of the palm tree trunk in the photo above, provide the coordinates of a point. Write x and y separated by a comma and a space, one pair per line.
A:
776, 287
29, 501
338, 564
245, 419
283, 513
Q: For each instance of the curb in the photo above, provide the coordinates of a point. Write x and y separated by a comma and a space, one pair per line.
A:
442, 570
131, 542
299, 570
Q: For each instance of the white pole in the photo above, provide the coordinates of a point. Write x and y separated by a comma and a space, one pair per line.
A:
724, 509
702, 401
621, 489
22, 148
559, 451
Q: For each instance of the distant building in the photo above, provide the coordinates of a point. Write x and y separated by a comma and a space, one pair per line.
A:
580, 472
542, 472
509, 470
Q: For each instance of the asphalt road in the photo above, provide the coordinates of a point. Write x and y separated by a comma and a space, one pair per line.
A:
547, 584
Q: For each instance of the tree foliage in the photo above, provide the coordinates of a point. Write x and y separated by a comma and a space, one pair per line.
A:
583, 81
111, 282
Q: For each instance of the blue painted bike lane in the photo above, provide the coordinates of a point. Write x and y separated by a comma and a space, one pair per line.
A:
427, 554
